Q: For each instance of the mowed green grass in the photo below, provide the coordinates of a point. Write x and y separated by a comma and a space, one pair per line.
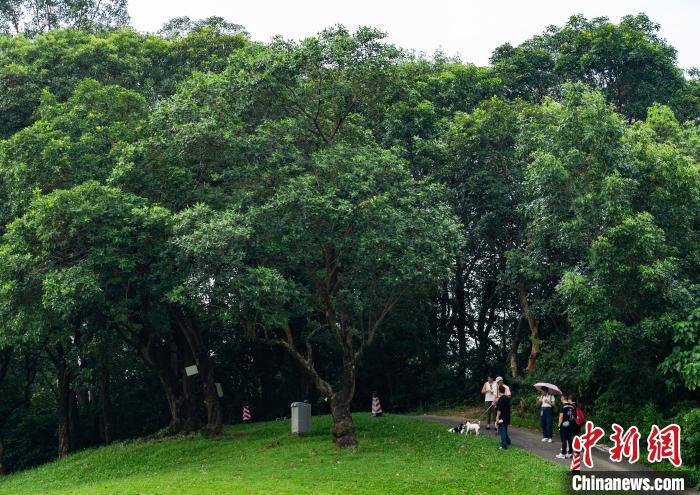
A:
396, 454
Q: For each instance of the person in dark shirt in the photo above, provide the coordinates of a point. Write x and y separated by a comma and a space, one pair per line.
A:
503, 417
568, 428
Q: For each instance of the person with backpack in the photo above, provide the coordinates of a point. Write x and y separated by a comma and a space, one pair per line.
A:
570, 419
503, 416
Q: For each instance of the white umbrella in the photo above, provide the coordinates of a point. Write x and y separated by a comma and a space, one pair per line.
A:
551, 387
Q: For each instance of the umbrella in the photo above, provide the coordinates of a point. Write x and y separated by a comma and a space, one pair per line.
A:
552, 388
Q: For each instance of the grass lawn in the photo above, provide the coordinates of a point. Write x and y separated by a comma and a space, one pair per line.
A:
396, 455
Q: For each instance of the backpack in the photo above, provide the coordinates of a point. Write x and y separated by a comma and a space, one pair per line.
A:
580, 416
570, 415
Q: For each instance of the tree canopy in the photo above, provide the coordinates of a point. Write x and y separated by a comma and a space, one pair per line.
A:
325, 218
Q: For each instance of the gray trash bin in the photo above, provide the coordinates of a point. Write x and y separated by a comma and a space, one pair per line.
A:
301, 418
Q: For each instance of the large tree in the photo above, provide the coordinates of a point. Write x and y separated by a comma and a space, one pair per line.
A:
629, 62
32, 17
329, 255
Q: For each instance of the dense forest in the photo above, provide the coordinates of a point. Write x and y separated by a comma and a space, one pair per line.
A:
320, 219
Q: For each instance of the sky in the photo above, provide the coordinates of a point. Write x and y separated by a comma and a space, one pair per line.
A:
470, 29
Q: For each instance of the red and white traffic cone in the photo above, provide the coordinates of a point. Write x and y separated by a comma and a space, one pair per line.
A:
376, 406
576, 463
246, 414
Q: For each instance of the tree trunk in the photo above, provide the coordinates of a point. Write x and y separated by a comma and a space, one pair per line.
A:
484, 323
534, 330
168, 366
344, 431
2, 454
105, 400
461, 323
64, 406
200, 352
515, 343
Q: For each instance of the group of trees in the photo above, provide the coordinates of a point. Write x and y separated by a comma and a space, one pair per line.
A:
319, 219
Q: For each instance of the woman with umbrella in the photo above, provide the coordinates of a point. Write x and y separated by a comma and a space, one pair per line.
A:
546, 402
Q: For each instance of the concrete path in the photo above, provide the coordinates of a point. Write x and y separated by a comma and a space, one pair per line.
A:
531, 441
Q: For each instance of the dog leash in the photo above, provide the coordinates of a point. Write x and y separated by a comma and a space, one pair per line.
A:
482, 414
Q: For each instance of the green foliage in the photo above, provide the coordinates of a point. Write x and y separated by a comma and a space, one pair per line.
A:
628, 62
72, 142
389, 222
685, 356
33, 17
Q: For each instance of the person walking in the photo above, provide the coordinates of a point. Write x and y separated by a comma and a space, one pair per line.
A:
546, 402
568, 428
489, 393
503, 417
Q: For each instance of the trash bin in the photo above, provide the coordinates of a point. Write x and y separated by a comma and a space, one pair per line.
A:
301, 418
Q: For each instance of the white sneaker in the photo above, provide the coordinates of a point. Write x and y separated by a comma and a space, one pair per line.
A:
569, 456
549, 440
560, 456
544, 439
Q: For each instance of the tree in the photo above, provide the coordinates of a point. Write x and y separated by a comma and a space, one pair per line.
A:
180, 27
332, 252
484, 176
18, 370
33, 17
79, 263
628, 62
72, 142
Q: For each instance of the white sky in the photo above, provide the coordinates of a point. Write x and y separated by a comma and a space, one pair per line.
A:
468, 28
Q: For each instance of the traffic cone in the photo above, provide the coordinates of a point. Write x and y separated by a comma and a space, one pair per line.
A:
376, 406
246, 414
576, 463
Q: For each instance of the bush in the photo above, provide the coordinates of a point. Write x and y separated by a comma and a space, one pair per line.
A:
690, 437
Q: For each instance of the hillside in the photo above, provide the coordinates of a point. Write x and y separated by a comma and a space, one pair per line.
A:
396, 455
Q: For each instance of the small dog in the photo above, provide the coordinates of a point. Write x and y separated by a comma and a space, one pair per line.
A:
465, 428
468, 426
457, 429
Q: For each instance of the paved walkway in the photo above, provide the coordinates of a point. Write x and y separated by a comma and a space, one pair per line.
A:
531, 441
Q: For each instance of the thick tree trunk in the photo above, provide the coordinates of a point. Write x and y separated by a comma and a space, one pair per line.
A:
177, 403
200, 352
344, 431
534, 330
168, 365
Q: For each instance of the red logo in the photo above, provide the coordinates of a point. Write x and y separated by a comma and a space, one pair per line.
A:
665, 444
626, 444
586, 441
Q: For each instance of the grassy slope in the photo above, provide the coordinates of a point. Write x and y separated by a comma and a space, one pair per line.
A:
396, 455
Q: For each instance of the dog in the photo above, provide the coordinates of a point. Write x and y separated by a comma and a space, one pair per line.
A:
457, 429
468, 426
465, 428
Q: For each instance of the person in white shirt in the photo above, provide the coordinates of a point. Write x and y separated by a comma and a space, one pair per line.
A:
499, 382
546, 402
489, 392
